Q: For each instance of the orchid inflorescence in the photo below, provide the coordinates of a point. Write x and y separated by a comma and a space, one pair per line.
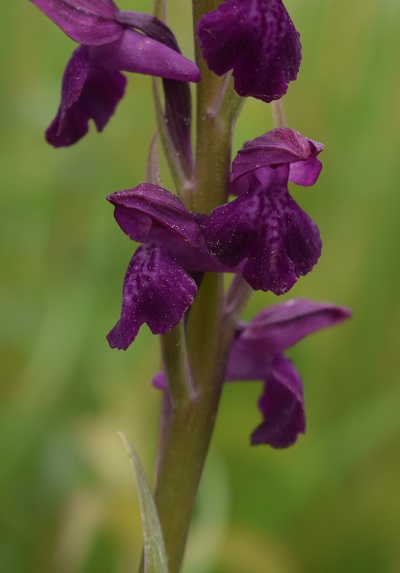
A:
261, 235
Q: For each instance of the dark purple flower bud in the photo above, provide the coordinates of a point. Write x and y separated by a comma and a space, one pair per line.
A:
255, 38
92, 84
256, 354
265, 228
159, 285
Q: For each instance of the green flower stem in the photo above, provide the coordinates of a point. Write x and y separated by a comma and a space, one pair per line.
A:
175, 362
188, 423
215, 122
188, 431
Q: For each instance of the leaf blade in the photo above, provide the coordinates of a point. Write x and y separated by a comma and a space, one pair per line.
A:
155, 557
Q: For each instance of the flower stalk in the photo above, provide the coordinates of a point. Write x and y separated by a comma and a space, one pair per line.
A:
186, 439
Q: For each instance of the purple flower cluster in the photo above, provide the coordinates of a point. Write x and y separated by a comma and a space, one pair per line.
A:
254, 38
261, 234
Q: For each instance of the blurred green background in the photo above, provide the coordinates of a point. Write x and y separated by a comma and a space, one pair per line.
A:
67, 502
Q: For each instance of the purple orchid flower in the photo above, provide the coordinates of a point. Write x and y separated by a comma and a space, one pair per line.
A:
112, 41
159, 285
258, 40
257, 354
264, 229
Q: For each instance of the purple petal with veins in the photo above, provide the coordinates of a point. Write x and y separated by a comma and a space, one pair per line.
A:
265, 228
156, 291
255, 38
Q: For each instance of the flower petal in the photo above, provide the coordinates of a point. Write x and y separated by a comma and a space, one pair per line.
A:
156, 291
88, 92
280, 326
258, 40
135, 52
149, 25
267, 229
160, 380
277, 147
275, 329
89, 22
158, 205
281, 405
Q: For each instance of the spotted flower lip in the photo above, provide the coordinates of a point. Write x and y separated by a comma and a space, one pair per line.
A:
266, 232
111, 41
258, 40
159, 284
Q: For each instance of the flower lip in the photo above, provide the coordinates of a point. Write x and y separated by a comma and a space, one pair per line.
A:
266, 229
281, 405
156, 291
255, 38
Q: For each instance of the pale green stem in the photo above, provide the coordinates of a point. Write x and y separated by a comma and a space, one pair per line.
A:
188, 423
176, 366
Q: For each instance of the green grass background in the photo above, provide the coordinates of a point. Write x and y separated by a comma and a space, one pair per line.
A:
331, 504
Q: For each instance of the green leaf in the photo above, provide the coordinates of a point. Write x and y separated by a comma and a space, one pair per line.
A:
155, 558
